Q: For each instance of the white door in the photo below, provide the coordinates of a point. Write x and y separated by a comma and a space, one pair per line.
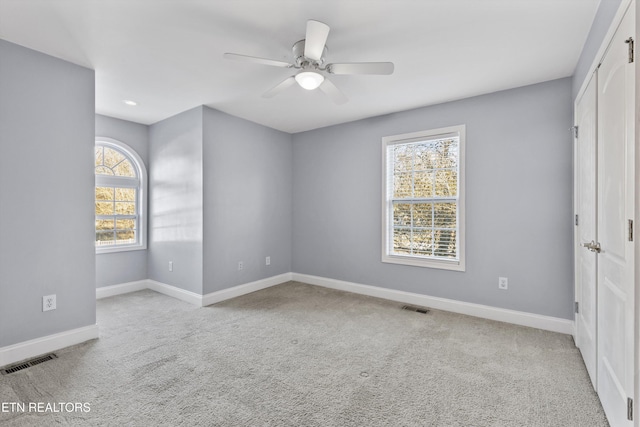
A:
585, 268
616, 91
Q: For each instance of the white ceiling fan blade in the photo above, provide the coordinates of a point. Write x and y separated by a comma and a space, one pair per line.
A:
256, 60
279, 87
361, 68
316, 38
333, 92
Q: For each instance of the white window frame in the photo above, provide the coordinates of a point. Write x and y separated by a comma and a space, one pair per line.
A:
387, 194
139, 183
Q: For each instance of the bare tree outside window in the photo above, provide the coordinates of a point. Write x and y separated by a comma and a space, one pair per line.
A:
422, 206
116, 203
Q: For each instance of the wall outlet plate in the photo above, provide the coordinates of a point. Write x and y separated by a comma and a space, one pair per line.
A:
503, 283
240, 265
267, 260
49, 302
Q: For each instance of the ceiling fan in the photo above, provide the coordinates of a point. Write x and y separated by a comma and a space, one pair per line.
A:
309, 59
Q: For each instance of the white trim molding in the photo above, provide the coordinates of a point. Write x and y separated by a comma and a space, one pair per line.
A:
547, 323
35, 347
122, 288
192, 297
32, 348
247, 288
175, 292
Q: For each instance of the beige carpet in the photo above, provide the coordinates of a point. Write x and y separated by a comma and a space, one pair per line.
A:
299, 355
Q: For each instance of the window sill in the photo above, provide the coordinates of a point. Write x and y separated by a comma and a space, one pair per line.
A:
116, 249
427, 263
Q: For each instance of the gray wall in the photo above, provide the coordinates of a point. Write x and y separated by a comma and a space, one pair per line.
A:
175, 201
247, 201
606, 11
46, 194
122, 267
518, 200
220, 192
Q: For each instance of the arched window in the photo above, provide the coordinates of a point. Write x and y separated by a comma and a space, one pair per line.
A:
121, 180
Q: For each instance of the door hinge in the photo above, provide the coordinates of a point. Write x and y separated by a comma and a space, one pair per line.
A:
631, 230
630, 42
576, 219
577, 307
629, 409
574, 129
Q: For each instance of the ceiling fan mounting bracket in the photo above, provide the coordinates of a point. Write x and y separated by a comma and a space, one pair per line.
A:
302, 61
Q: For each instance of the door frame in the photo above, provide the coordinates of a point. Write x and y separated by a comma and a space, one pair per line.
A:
615, 23
578, 234
636, 411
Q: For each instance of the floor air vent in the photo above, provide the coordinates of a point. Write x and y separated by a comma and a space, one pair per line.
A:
416, 309
28, 364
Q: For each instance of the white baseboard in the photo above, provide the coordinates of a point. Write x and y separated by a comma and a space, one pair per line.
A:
177, 293
192, 297
35, 347
32, 348
123, 288
247, 288
547, 323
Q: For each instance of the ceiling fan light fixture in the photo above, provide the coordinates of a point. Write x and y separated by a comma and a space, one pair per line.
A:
309, 80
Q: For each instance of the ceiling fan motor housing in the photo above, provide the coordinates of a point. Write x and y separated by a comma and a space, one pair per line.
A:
304, 62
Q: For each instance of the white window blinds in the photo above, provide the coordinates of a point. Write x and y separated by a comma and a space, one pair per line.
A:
422, 197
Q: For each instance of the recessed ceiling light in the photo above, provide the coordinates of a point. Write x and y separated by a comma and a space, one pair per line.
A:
130, 102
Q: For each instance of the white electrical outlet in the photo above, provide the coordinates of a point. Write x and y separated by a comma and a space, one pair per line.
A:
170, 265
240, 265
503, 283
267, 260
49, 302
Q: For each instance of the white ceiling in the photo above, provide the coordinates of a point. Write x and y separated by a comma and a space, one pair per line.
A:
167, 54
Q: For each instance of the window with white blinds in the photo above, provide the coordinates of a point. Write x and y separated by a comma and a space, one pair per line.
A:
423, 203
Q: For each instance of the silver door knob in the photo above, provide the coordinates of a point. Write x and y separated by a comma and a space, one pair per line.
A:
592, 246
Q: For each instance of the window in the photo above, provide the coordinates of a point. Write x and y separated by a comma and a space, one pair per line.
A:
423, 198
120, 200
